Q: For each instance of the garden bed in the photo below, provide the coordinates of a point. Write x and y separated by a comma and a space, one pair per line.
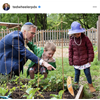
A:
19, 92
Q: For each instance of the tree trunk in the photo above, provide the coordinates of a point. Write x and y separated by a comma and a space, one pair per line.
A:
27, 18
45, 22
36, 19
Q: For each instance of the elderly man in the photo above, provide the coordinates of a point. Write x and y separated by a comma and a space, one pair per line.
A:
13, 51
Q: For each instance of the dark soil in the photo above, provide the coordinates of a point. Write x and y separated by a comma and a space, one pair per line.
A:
18, 93
45, 95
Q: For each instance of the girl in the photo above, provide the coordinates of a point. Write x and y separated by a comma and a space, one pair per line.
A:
81, 53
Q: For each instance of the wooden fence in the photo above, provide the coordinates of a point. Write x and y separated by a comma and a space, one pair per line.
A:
56, 36
59, 36
98, 40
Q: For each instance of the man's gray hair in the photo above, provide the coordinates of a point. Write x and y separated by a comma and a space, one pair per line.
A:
27, 27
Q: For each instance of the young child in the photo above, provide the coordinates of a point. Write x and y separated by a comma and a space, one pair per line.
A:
81, 53
46, 54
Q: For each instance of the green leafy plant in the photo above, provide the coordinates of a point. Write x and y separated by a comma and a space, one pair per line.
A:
31, 93
12, 90
14, 80
59, 96
3, 78
3, 91
75, 87
52, 83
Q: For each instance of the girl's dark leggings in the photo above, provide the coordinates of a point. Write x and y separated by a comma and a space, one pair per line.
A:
87, 74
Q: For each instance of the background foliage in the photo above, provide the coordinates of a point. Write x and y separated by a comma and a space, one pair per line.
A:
50, 21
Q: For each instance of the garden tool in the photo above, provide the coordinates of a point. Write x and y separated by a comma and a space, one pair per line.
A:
69, 86
5, 97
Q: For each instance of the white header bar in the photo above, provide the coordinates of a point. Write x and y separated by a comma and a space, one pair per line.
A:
51, 6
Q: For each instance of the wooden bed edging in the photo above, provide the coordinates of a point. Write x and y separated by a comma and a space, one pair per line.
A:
80, 93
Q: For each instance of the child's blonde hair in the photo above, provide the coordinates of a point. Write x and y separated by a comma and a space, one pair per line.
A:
50, 46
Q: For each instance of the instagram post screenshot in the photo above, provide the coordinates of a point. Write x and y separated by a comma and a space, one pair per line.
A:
50, 49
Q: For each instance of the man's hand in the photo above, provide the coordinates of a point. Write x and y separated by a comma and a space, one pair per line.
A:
48, 66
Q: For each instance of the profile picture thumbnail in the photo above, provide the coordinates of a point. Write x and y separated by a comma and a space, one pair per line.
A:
6, 6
